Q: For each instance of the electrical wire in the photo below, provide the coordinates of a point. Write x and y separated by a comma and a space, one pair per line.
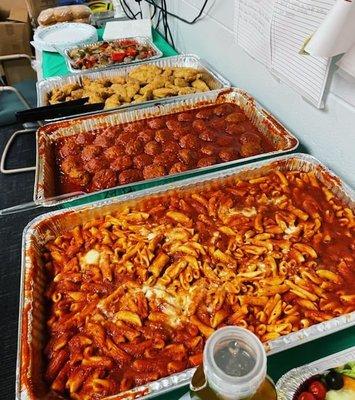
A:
124, 5
152, 2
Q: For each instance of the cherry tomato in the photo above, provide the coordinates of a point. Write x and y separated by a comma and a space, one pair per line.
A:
318, 390
306, 396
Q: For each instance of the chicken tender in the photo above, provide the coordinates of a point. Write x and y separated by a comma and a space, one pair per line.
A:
112, 101
189, 74
200, 85
145, 73
164, 92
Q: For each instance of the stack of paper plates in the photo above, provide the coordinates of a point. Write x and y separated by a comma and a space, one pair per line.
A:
62, 36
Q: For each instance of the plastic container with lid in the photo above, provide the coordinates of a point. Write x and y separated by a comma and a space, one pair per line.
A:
234, 368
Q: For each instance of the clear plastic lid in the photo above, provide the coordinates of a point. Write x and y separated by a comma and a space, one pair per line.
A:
234, 363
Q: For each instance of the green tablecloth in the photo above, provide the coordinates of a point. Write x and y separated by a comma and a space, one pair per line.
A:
54, 65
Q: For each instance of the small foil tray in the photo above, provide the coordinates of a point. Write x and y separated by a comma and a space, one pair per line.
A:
32, 322
45, 181
145, 41
213, 78
288, 385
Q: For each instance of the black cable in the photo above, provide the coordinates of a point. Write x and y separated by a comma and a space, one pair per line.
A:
140, 8
123, 5
151, 2
154, 12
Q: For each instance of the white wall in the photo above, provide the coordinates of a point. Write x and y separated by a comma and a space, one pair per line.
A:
327, 134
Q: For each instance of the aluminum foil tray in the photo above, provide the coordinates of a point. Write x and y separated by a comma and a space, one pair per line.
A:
288, 385
139, 39
213, 78
45, 187
32, 323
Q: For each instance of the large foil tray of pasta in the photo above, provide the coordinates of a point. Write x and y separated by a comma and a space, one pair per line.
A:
119, 296
153, 81
121, 149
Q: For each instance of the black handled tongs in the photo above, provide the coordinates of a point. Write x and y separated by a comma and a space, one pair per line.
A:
60, 110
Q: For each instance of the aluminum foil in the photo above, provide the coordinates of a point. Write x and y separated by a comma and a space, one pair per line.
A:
288, 385
32, 324
44, 188
213, 78
145, 41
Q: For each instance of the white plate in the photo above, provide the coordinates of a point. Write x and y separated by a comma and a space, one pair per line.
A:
61, 36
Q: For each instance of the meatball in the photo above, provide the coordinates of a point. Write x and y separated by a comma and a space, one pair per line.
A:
69, 147
173, 125
152, 148
208, 149
178, 167
236, 117
250, 149
104, 179
187, 156
156, 123
134, 127
96, 164
129, 176
234, 129
71, 167
103, 141
207, 161
123, 138
114, 151
223, 109
207, 135
199, 125
204, 113
84, 138
227, 154
218, 123
142, 160
250, 137
226, 140
90, 151
171, 147
179, 133
134, 147
189, 141
185, 116
163, 135
153, 171
165, 158
112, 132
121, 163
146, 135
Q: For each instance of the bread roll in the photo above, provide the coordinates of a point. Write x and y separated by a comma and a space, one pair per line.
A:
80, 11
46, 17
63, 14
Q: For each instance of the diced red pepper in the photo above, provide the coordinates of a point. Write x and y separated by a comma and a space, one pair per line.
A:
118, 56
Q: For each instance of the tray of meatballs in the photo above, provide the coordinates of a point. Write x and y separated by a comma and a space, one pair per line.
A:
123, 148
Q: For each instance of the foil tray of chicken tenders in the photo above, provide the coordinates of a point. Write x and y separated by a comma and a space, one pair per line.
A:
121, 149
150, 82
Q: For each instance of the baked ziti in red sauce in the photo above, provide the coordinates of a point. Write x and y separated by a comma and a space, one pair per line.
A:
133, 295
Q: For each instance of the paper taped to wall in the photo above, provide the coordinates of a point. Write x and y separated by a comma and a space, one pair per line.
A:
293, 21
273, 32
252, 26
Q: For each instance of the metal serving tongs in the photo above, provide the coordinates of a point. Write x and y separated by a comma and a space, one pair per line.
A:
31, 205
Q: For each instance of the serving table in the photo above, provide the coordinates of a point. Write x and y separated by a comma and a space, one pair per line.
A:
18, 188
